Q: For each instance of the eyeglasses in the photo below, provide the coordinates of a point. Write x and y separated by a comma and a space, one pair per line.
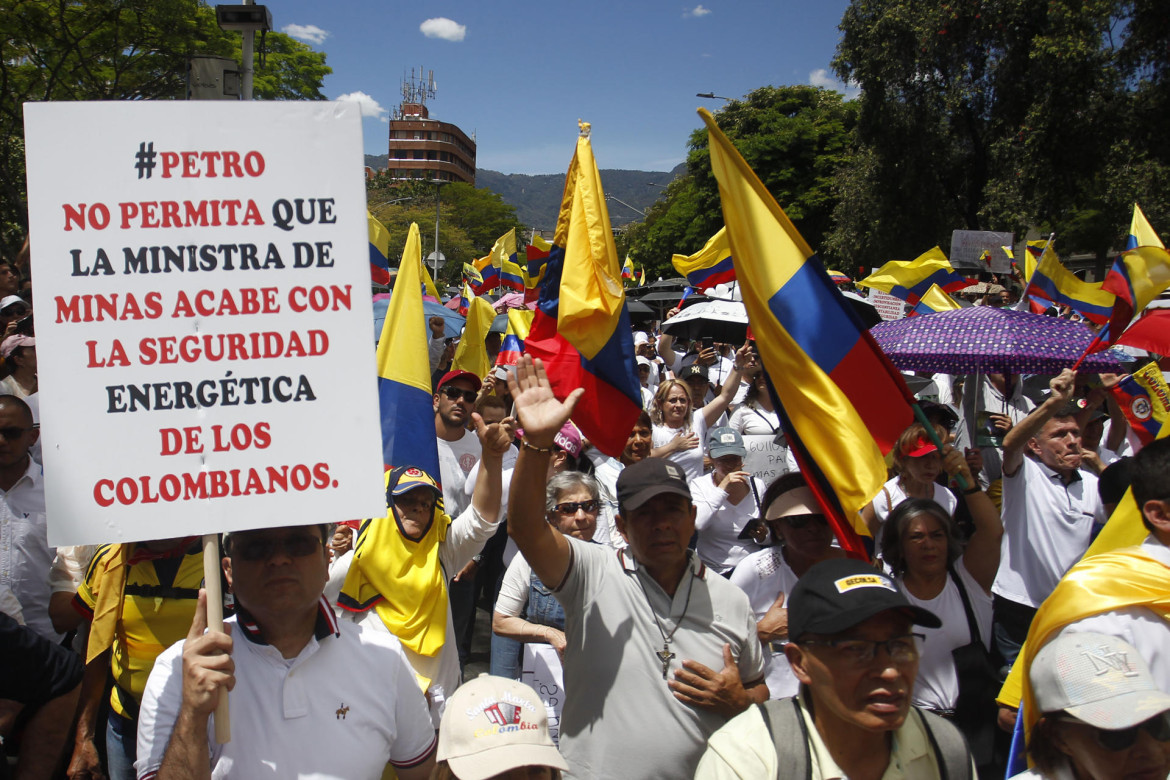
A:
800, 521
12, 432
253, 550
1115, 740
572, 507
454, 393
861, 652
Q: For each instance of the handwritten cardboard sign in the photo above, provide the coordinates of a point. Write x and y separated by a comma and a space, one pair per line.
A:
541, 669
765, 458
202, 315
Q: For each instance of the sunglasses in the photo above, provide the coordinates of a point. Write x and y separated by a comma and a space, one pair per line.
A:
800, 521
12, 432
455, 394
1112, 740
253, 550
572, 507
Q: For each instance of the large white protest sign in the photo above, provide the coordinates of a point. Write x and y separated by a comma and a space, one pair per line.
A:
203, 317
542, 671
889, 307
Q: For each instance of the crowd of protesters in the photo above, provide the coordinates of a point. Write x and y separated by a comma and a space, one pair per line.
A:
706, 621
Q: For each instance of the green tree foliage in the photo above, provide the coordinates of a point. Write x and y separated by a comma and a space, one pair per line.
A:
118, 50
795, 138
999, 115
470, 219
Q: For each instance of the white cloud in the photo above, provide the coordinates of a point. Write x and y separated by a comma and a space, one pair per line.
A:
309, 33
442, 27
369, 106
821, 78
696, 12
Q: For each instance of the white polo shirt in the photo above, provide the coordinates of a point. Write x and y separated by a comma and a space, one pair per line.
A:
620, 719
343, 708
1046, 529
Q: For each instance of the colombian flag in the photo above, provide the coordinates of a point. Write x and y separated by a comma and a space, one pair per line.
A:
503, 258
536, 257
910, 279
379, 250
710, 266
512, 347
471, 354
933, 301
842, 404
1052, 282
404, 370
628, 269
489, 275
466, 296
581, 329
1137, 277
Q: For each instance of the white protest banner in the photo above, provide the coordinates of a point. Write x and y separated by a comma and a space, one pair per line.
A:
889, 307
765, 458
203, 317
967, 247
542, 671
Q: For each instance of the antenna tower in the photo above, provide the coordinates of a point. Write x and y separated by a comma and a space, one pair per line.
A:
416, 89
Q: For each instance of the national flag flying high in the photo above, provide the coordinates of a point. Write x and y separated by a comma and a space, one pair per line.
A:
379, 250
581, 329
842, 404
489, 275
512, 346
471, 274
1144, 400
1137, 277
503, 257
910, 279
628, 268
1053, 283
466, 296
710, 266
404, 370
430, 292
535, 256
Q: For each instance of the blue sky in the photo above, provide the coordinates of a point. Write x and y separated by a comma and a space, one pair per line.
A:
518, 74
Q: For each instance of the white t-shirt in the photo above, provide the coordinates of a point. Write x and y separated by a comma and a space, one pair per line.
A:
763, 576
719, 522
1046, 528
514, 588
455, 461
691, 461
937, 684
885, 502
751, 420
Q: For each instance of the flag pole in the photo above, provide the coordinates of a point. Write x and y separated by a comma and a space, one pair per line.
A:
211, 584
933, 434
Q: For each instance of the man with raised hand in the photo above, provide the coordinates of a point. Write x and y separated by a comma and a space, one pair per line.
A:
660, 651
299, 680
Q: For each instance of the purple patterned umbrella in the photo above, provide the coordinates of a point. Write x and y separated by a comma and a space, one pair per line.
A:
989, 340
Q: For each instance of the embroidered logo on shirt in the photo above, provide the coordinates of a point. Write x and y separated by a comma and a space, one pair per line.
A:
342, 711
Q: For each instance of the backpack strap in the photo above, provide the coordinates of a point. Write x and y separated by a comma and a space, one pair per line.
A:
972, 625
782, 717
950, 748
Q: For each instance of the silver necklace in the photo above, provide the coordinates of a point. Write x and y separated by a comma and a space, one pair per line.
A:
665, 655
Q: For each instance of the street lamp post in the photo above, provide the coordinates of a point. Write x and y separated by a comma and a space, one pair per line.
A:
712, 96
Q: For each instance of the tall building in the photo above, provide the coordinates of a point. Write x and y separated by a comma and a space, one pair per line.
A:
425, 148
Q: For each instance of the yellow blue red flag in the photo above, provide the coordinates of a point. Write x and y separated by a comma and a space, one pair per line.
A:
1053, 283
512, 346
404, 370
710, 266
910, 279
842, 404
935, 300
628, 269
581, 329
1137, 277
379, 250
503, 258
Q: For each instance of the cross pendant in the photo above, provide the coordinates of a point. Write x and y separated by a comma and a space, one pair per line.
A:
665, 655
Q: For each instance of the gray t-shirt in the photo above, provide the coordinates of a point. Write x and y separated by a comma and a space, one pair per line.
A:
620, 719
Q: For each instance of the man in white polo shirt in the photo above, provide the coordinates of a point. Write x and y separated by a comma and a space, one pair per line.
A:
1049, 507
660, 651
299, 680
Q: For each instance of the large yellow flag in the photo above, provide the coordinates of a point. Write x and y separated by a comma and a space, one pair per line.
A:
910, 279
592, 294
471, 354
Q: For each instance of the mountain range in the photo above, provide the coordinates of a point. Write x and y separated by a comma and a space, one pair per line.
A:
537, 199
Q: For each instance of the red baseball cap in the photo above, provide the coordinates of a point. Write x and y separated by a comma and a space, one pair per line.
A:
451, 376
922, 446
